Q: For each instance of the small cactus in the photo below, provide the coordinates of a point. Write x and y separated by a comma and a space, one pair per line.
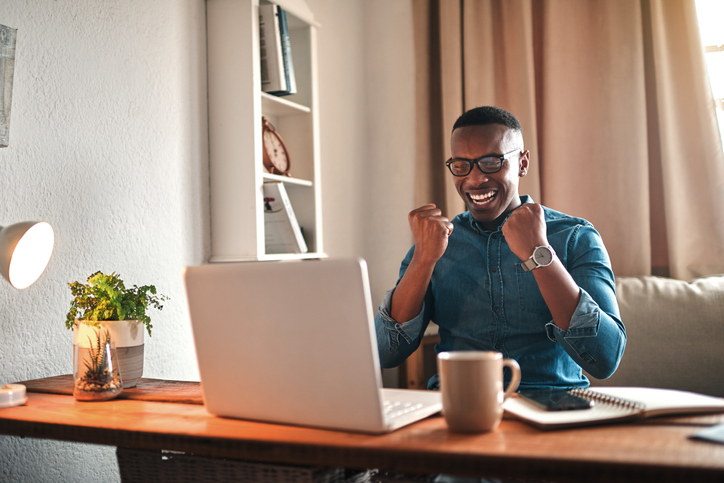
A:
101, 380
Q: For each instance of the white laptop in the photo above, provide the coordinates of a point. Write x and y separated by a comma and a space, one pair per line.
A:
293, 342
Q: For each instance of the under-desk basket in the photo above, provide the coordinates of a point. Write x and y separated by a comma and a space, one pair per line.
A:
162, 466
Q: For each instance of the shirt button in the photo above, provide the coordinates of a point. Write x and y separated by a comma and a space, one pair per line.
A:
493, 269
496, 309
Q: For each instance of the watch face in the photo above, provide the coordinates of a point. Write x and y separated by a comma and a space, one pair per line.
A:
543, 256
276, 152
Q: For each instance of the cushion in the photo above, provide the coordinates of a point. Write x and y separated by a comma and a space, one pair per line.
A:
675, 333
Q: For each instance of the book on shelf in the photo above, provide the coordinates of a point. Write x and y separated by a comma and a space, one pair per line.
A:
282, 233
270, 45
287, 55
277, 68
615, 404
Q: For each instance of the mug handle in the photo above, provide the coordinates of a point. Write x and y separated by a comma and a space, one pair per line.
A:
512, 364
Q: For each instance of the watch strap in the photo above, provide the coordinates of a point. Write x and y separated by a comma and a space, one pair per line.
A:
531, 264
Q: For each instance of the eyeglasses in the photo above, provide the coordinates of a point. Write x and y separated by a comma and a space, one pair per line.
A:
487, 164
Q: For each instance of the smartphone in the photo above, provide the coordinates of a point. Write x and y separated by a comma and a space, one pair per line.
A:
555, 399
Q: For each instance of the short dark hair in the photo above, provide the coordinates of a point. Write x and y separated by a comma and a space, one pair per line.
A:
481, 116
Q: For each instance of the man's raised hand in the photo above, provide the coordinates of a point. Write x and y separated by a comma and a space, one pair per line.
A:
430, 232
525, 229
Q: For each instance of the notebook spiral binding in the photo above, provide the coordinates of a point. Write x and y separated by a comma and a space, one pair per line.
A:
605, 398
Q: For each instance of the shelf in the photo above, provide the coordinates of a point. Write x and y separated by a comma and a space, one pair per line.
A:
269, 258
278, 106
286, 179
236, 107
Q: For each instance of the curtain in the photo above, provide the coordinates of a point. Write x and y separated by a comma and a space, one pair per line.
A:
616, 109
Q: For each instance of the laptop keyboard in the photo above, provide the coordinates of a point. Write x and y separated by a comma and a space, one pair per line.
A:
395, 409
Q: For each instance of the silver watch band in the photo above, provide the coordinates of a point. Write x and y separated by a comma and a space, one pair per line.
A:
529, 265
532, 264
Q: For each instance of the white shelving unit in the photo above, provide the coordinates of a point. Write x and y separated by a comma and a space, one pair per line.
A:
236, 107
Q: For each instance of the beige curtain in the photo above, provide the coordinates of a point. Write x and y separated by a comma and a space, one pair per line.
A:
616, 110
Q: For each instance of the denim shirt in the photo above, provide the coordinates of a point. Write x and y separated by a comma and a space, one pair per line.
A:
482, 299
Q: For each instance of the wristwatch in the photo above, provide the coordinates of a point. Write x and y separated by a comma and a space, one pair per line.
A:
542, 257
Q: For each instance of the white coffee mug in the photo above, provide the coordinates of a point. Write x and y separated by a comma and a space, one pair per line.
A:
471, 383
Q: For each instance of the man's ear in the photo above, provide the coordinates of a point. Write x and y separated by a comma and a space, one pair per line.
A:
523, 163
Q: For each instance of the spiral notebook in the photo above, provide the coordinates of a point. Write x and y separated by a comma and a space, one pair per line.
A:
615, 404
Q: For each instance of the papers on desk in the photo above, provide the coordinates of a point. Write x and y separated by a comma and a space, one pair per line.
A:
714, 434
616, 404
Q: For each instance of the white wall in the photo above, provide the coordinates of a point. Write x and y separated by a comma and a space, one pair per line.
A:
108, 144
366, 83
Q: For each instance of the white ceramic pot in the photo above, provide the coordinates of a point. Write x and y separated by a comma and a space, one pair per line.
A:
127, 337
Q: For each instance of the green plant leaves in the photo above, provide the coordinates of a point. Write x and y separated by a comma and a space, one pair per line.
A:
105, 297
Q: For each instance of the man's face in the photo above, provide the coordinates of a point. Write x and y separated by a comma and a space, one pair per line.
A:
489, 197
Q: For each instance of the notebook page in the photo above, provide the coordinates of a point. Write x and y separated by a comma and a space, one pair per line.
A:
522, 409
665, 401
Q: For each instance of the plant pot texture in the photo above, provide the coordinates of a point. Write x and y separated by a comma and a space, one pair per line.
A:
127, 337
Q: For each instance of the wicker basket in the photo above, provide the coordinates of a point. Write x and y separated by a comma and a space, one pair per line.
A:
163, 466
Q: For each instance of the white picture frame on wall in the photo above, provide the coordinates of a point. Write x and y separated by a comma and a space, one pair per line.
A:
7, 66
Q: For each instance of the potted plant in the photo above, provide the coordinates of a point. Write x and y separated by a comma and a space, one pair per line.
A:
105, 302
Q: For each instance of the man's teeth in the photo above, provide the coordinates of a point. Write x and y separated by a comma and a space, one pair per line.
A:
482, 199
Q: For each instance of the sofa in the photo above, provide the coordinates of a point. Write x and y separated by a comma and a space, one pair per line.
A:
675, 334
675, 337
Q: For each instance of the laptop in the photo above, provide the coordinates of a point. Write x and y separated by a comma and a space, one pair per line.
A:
293, 342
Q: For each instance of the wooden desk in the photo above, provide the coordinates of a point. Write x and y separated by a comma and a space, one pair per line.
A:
656, 450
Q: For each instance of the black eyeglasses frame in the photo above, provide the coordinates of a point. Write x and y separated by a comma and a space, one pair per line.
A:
476, 162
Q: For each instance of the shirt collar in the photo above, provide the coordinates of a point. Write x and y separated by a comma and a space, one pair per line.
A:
479, 229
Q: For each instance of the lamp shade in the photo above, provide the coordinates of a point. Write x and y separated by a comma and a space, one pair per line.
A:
25, 250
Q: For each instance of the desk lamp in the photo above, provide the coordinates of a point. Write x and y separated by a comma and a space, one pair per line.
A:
25, 250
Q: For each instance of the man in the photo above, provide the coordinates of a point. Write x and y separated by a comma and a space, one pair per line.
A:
508, 275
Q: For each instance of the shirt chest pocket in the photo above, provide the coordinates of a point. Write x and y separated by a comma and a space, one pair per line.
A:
529, 296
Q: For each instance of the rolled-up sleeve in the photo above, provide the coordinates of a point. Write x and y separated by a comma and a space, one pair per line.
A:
397, 341
596, 336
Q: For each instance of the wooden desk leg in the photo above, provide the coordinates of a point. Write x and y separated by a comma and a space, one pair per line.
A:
415, 369
414, 374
